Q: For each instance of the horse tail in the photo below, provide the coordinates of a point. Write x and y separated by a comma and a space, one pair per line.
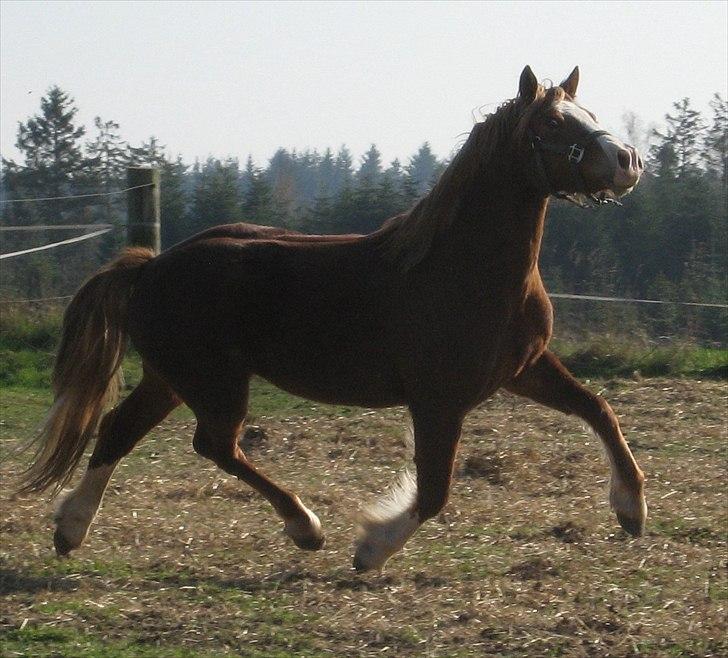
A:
87, 377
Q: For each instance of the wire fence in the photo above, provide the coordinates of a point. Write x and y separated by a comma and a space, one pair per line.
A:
41, 278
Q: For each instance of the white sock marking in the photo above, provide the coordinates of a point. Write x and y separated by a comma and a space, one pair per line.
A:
78, 508
387, 525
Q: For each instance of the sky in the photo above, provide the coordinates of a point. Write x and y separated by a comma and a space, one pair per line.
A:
232, 79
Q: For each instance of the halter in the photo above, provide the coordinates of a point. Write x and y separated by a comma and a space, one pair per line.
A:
574, 154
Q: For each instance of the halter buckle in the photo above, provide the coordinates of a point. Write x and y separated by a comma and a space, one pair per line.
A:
575, 154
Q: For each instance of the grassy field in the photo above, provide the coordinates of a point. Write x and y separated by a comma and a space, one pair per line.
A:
527, 559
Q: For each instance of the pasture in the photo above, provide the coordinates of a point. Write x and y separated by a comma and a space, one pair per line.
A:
526, 560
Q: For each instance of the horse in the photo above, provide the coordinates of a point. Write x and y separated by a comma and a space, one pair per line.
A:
435, 311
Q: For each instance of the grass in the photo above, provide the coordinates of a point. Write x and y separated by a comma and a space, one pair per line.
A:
53, 643
610, 357
526, 560
28, 341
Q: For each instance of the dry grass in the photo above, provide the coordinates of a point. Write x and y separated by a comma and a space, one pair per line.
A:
527, 559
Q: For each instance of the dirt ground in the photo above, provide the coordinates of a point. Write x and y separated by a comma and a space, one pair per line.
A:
527, 559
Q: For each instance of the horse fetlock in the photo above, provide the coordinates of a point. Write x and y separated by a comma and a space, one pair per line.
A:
629, 505
72, 523
380, 540
305, 530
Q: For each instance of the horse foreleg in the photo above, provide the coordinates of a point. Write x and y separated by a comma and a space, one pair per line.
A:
218, 442
388, 525
120, 430
548, 382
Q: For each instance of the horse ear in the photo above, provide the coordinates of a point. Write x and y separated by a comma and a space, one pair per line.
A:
527, 85
570, 84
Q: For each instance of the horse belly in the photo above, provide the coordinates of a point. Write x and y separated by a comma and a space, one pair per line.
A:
331, 367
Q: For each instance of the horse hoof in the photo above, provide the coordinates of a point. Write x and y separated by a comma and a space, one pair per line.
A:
314, 543
359, 565
305, 531
635, 527
61, 544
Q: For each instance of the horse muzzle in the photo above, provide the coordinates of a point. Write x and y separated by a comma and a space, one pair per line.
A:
628, 170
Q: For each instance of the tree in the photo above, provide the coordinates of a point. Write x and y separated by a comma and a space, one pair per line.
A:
174, 203
106, 166
50, 141
281, 177
107, 154
370, 170
680, 144
216, 198
716, 140
423, 169
395, 175
53, 163
343, 170
326, 183
259, 205
150, 153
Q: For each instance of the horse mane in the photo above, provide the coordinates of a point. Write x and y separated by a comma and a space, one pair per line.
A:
408, 237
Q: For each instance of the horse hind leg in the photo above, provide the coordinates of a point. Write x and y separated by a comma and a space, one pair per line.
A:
217, 440
386, 527
120, 430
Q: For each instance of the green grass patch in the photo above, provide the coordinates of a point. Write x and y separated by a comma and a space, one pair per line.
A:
43, 642
28, 342
610, 357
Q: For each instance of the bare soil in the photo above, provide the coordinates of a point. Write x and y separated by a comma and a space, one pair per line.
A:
526, 560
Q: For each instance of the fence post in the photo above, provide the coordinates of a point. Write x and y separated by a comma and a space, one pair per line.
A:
143, 226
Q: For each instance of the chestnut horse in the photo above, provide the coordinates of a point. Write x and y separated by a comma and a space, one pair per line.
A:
436, 311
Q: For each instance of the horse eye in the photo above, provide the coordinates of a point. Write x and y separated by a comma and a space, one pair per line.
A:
553, 123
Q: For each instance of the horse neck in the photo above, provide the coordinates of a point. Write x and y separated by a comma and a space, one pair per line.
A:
500, 220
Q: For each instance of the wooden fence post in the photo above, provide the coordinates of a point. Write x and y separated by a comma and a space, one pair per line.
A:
143, 226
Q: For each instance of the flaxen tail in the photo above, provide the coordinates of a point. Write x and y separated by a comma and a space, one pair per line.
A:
86, 377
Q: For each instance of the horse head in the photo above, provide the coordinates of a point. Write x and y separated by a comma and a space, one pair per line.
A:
573, 156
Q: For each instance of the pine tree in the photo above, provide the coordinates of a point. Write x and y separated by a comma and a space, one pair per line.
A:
326, 176
174, 203
395, 176
679, 146
259, 205
281, 178
50, 142
423, 169
716, 140
216, 199
343, 170
106, 163
370, 170
53, 163
148, 154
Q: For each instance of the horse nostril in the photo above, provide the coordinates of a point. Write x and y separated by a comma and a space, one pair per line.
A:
624, 158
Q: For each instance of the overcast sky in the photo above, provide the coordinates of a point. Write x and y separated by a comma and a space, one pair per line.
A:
238, 78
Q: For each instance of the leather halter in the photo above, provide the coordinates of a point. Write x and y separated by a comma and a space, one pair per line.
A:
574, 154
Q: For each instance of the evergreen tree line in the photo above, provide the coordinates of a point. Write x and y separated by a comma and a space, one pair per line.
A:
668, 241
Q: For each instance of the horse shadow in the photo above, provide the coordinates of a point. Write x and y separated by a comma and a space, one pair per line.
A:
13, 581
340, 579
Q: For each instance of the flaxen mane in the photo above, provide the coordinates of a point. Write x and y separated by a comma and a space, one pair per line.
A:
409, 236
